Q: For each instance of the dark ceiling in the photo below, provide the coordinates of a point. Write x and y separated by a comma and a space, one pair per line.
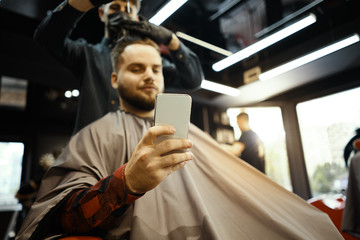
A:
228, 24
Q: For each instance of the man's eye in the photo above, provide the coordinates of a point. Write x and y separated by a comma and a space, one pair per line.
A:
115, 7
136, 70
156, 70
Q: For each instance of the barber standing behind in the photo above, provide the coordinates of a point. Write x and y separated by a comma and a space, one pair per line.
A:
253, 148
91, 64
249, 148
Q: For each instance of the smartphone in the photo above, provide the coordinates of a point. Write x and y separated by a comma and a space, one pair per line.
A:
175, 110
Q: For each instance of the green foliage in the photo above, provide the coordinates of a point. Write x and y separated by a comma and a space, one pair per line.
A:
325, 175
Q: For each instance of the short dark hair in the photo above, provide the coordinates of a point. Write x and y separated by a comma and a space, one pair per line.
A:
125, 41
243, 115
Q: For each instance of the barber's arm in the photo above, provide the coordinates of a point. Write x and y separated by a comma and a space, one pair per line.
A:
148, 166
53, 33
236, 148
188, 68
189, 73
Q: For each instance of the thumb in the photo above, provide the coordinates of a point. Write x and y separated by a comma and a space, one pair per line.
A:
153, 132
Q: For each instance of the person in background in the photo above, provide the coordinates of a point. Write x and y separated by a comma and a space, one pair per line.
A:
253, 148
115, 181
249, 148
91, 64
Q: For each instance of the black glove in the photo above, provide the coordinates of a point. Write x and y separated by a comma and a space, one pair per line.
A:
144, 28
99, 2
115, 25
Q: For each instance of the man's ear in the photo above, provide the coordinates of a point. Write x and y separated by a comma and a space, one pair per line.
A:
114, 80
101, 13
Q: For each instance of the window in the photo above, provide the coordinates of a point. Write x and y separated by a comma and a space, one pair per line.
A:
326, 125
11, 156
268, 124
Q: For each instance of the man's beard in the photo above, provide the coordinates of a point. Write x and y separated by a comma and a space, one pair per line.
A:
141, 103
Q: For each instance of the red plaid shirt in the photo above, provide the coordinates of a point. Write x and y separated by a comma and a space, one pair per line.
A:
97, 206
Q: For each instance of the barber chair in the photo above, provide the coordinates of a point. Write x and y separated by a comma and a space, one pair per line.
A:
334, 206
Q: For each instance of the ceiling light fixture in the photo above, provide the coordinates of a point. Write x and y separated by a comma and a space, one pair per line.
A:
219, 88
309, 57
203, 44
166, 11
264, 43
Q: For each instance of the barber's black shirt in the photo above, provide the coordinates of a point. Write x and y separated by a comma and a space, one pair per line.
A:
252, 153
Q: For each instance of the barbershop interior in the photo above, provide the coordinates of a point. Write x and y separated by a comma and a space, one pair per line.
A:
293, 66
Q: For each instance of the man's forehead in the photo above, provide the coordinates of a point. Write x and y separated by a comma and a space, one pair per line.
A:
140, 47
139, 52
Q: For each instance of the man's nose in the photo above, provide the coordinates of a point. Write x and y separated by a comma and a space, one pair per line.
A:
123, 9
149, 74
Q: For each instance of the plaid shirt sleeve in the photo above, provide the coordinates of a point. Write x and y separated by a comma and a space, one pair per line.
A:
97, 206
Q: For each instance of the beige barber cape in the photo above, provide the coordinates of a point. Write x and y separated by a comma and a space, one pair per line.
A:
215, 196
